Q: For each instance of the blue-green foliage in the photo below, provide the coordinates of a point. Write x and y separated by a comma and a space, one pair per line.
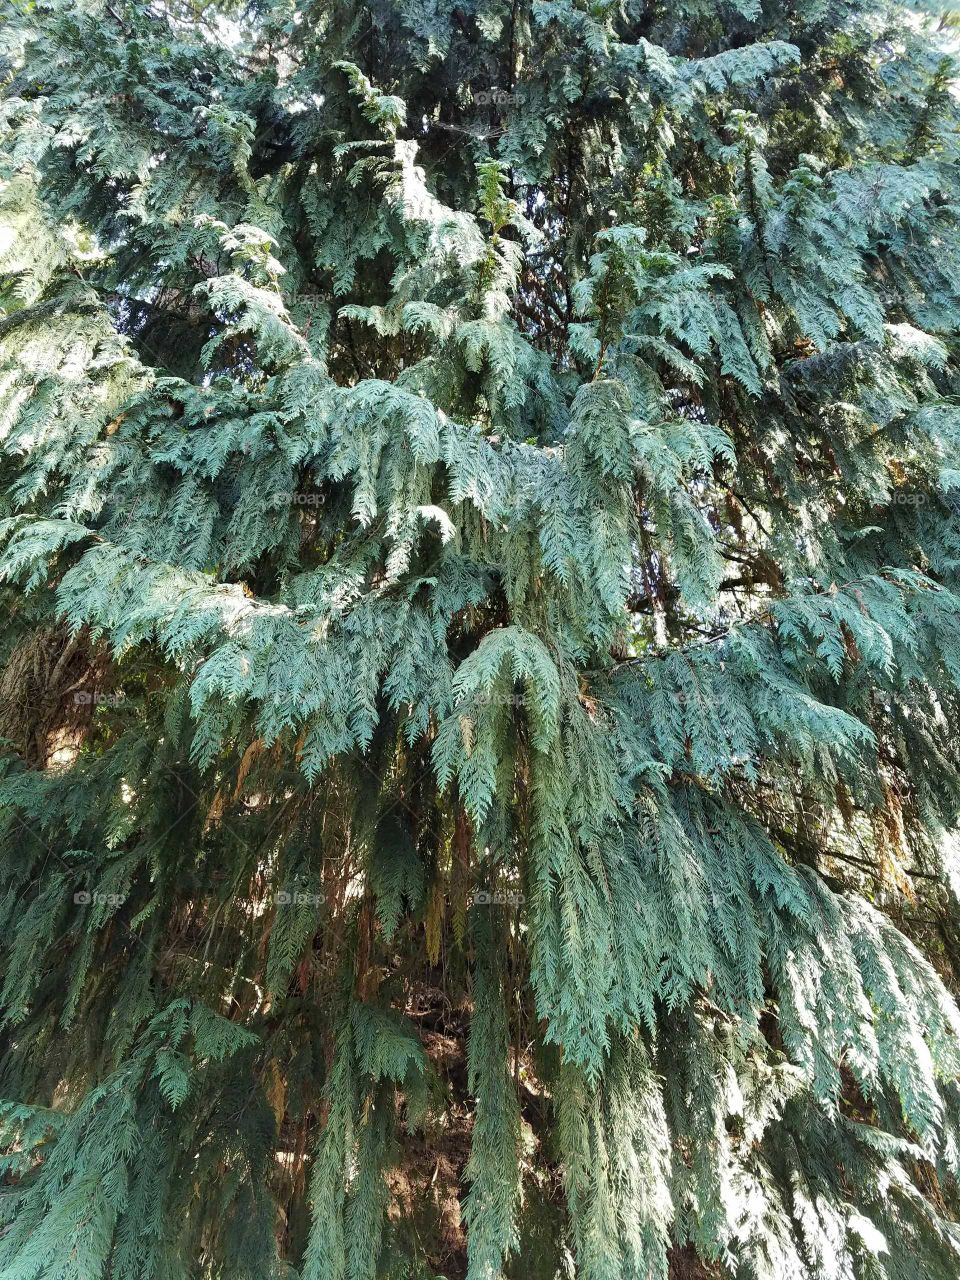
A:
480, 645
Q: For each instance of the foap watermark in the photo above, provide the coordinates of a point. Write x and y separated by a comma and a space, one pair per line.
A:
296, 899
95, 898
490, 698
496, 97
498, 898
97, 698
909, 499
296, 498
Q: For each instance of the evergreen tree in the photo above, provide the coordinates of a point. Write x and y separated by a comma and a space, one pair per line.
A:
480, 641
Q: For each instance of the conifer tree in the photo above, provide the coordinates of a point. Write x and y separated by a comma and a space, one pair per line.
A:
479, 640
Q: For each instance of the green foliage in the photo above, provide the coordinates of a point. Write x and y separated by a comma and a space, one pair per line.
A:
479, 641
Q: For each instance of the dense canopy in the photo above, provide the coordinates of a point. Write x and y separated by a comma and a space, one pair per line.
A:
479, 640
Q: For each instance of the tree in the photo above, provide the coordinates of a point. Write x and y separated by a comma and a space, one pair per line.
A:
481, 641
